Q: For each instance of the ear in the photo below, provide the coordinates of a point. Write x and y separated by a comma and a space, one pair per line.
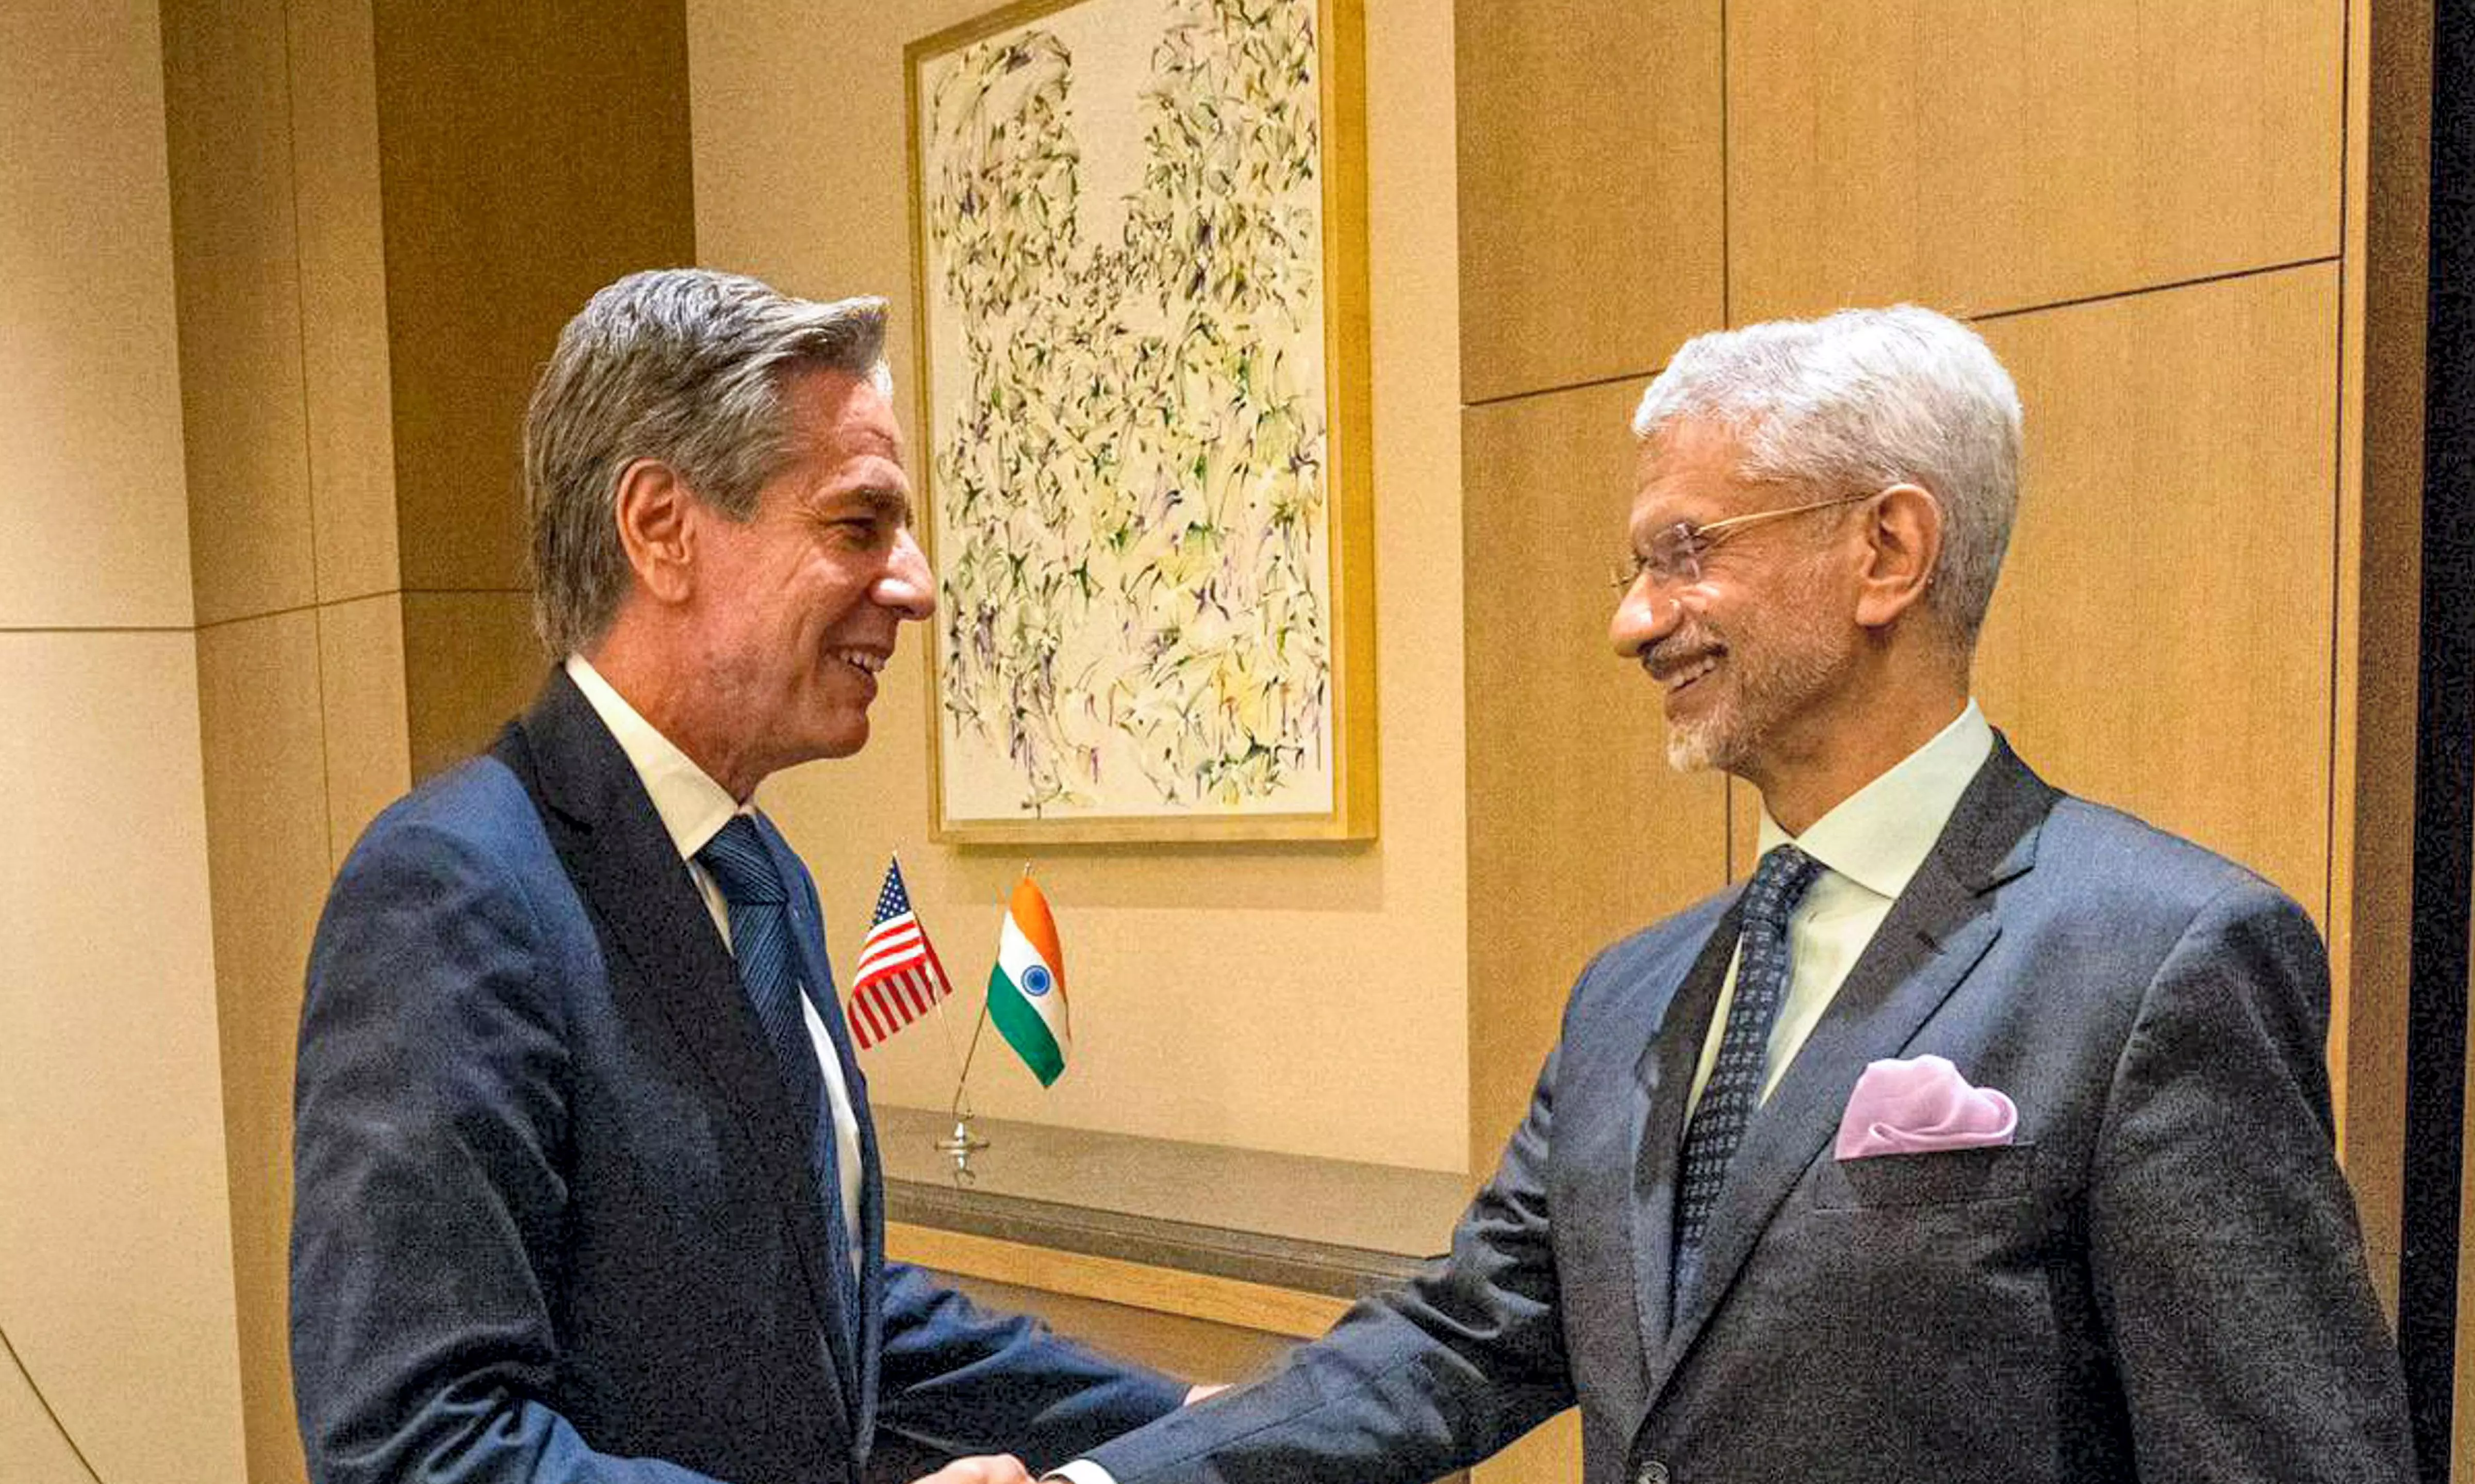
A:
657, 515
1904, 540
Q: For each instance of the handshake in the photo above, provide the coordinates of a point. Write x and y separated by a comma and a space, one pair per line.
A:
988, 1468
1006, 1469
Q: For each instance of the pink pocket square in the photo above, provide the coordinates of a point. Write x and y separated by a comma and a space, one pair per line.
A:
1915, 1108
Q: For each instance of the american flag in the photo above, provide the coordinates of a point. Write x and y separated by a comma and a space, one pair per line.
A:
900, 976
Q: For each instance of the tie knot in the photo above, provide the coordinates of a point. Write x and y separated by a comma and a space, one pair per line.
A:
742, 866
1779, 884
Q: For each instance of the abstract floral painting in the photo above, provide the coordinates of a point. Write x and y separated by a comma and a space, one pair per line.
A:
1135, 427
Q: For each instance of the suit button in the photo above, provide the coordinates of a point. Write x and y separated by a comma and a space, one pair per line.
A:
1651, 1472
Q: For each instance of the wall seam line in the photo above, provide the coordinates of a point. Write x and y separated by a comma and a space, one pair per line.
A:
1992, 316
45, 1402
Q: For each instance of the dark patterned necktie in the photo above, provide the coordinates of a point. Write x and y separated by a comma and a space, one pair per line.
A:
760, 940
768, 970
1734, 1093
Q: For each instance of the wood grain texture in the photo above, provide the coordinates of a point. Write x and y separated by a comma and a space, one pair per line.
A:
94, 527
2380, 558
1579, 831
266, 741
245, 432
341, 254
1982, 157
361, 704
117, 1263
1219, 1300
530, 155
2161, 638
470, 664
1591, 182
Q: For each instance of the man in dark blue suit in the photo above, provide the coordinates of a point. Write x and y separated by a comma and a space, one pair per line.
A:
586, 1189
1983, 1137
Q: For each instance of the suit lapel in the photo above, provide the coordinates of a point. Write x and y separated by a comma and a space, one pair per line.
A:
1662, 1079
626, 867
1936, 932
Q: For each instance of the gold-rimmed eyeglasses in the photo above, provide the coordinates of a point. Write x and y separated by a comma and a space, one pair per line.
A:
1672, 556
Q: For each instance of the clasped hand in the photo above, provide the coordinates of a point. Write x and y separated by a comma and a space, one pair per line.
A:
986, 1469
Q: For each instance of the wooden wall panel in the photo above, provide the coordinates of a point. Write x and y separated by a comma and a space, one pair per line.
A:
265, 748
530, 153
1579, 830
343, 296
1981, 156
2143, 203
2380, 540
90, 506
368, 732
116, 1253
470, 664
242, 396
1591, 222
33, 1449
2161, 640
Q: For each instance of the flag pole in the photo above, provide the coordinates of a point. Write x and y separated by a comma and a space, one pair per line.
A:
960, 1144
959, 1083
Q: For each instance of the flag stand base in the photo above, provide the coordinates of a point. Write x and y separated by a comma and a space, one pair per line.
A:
960, 1146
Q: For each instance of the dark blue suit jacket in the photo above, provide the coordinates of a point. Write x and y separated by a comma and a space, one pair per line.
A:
2161, 1279
553, 1218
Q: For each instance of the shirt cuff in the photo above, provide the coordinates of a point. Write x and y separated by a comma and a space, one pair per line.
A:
1081, 1471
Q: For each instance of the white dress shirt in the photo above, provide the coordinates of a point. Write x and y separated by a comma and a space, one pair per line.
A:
693, 809
1870, 846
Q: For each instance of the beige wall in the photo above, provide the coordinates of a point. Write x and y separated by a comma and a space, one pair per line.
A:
1305, 999
2144, 203
116, 1284
380, 215
271, 123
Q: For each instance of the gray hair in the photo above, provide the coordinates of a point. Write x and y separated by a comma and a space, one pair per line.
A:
1857, 402
682, 365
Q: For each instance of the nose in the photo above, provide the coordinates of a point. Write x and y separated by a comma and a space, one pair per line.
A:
1644, 616
907, 586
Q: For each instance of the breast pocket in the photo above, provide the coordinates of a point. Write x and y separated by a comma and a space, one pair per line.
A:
1950, 1176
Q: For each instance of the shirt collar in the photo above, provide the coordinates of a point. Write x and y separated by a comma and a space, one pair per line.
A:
692, 805
1879, 836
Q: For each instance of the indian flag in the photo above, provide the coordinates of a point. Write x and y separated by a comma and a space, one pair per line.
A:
1027, 989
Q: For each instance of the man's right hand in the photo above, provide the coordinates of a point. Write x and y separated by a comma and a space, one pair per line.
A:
990, 1468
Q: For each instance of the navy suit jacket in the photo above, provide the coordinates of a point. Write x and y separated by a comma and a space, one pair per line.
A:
2161, 1279
553, 1218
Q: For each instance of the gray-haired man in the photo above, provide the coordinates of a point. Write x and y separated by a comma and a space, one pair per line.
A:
586, 1189
1983, 1137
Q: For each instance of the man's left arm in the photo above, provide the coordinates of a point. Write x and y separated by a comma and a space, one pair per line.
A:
2223, 1243
960, 1380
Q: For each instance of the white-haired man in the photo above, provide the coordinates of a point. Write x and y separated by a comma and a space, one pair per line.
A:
1983, 1137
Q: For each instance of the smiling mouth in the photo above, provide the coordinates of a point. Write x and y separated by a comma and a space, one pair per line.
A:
867, 662
1678, 677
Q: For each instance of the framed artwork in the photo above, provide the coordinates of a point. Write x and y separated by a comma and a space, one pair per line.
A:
1140, 227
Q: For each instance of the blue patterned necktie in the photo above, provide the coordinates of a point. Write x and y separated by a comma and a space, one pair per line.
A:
768, 970
1734, 1092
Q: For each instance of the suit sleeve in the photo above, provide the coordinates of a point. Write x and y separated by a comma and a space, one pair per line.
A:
1410, 1385
2224, 1241
429, 1112
957, 1379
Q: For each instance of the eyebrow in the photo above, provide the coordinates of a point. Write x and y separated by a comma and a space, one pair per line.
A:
889, 501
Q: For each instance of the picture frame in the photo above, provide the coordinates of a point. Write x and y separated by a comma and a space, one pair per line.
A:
1138, 233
